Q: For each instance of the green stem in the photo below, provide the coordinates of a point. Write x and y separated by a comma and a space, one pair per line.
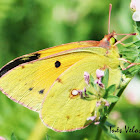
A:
103, 120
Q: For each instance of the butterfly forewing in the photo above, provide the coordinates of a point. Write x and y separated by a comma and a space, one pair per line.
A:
28, 83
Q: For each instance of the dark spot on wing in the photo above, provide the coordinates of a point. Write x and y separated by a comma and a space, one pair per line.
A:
68, 117
22, 67
57, 64
17, 62
41, 91
59, 80
31, 88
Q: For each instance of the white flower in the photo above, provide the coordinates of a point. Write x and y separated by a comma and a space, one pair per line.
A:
136, 16
135, 6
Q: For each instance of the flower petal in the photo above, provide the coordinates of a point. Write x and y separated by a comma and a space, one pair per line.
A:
96, 123
99, 73
136, 16
98, 103
135, 5
107, 103
86, 77
92, 118
98, 81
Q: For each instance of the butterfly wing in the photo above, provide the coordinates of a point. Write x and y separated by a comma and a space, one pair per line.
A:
61, 111
56, 72
47, 53
26, 79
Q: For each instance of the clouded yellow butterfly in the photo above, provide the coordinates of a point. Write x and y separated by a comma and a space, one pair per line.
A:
44, 81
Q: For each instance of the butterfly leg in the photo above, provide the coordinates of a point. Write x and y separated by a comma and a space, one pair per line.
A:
131, 64
122, 43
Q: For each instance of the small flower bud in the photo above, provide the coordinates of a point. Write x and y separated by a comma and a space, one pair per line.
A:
86, 77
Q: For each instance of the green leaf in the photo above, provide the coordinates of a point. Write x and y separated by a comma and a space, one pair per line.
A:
105, 78
92, 82
112, 135
138, 26
131, 53
111, 89
89, 93
112, 99
137, 43
89, 98
47, 137
13, 137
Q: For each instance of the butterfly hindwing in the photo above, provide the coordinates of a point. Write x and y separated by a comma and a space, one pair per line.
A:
61, 110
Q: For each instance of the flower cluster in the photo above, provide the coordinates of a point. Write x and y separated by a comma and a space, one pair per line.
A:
101, 103
99, 75
98, 90
135, 6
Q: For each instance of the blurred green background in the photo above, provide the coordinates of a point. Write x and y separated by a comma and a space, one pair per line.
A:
30, 25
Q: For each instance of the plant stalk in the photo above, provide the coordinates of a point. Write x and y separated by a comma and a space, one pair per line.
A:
103, 120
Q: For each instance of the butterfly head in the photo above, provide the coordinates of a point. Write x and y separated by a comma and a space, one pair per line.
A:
108, 40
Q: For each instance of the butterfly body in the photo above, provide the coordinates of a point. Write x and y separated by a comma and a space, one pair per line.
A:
43, 81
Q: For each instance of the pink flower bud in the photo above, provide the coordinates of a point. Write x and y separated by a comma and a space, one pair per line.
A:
86, 77
96, 123
92, 118
107, 103
99, 73
99, 82
98, 103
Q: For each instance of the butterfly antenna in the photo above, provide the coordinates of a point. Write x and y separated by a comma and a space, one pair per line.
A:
110, 8
124, 38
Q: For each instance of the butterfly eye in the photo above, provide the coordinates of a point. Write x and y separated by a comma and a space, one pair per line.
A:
112, 40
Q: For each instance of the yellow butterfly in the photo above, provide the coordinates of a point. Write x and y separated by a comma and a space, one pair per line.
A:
44, 81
